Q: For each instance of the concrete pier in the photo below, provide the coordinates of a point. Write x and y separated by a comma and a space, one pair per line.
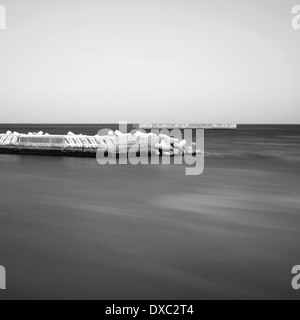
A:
52, 145
55, 145
186, 126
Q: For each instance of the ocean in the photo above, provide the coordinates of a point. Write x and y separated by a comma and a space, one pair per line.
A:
72, 229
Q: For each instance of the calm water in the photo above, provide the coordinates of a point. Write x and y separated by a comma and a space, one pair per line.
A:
70, 228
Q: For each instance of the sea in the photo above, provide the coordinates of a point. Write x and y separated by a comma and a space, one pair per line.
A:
72, 229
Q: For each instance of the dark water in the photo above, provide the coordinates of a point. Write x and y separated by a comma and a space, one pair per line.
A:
70, 228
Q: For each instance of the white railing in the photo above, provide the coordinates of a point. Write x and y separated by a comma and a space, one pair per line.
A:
9, 140
70, 142
88, 142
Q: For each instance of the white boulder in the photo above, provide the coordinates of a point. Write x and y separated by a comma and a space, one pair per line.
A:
156, 152
139, 134
189, 150
177, 151
164, 146
182, 144
119, 133
164, 137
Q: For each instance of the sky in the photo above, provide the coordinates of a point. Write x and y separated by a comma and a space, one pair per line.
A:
99, 61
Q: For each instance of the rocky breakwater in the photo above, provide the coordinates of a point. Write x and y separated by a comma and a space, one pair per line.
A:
114, 142
161, 144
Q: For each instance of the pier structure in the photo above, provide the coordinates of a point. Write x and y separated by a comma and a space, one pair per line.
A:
80, 145
76, 145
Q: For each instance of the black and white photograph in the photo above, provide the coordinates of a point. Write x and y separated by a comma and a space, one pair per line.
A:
149, 153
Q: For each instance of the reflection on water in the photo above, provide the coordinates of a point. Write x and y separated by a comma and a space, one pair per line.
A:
70, 228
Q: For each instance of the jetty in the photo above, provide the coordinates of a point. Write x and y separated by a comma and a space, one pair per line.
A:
87, 146
186, 126
145, 138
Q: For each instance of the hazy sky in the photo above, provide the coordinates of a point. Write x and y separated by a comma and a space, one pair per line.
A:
149, 61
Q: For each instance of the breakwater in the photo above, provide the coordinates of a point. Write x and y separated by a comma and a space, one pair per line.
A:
56, 145
83, 145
